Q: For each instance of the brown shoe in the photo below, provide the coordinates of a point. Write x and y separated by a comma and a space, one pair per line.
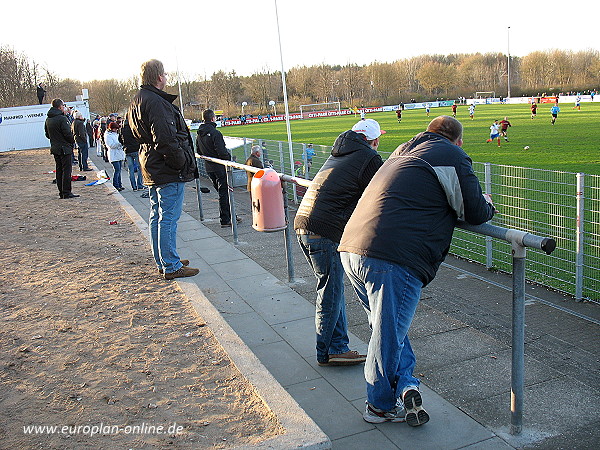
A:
185, 262
184, 271
349, 358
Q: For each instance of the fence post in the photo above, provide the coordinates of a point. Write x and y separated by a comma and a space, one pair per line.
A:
518, 339
305, 161
579, 238
489, 256
232, 204
288, 236
199, 197
281, 162
246, 153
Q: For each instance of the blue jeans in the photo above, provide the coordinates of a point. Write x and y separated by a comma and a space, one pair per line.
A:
390, 294
330, 316
166, 203
133, 163
117, 175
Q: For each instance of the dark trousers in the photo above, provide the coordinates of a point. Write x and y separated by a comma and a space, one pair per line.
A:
63, 173
82, 155
219, 180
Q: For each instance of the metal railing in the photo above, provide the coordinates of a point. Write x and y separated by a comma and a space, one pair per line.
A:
545, 202
519, 241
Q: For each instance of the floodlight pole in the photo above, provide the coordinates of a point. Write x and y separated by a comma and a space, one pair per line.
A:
179, 82
508, 64
285, 98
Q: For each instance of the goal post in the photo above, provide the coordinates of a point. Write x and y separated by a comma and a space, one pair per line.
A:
482, 94
317, 107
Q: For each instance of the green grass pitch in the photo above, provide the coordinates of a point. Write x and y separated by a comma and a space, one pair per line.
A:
571, 145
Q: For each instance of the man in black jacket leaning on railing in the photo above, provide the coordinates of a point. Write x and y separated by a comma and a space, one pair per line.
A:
393, 245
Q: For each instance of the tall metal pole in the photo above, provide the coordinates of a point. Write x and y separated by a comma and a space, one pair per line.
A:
285, 98
508, 64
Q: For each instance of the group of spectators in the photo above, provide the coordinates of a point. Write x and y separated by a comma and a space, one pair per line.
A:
387, 225
68, 130
116, 145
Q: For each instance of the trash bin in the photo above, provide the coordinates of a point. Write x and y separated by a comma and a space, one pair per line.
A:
267, 201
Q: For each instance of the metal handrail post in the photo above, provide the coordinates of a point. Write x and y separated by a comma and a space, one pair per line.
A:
579, 237
489, 256
232, 204
199, 197
288, 233
517, 382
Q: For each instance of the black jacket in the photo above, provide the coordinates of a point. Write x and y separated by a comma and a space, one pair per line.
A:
166, 146
409, 210
130, 144
79, 131
336, 188
210, 142
58, 130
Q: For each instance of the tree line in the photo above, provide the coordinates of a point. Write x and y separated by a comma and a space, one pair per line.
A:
420, 78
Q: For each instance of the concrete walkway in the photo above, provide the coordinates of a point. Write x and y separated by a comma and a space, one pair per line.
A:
459, 336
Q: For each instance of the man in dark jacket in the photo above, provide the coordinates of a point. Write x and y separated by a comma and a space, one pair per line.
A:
58, 131
81, 138
392, 246
41, 93
319, 224
210, 142
167, 161
132, 154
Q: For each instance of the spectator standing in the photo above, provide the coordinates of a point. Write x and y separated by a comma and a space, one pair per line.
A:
392, 247
254, 161
116, 154
319, 224
167, 161
210, 142
90, 132
81, 139
58, 131
102, 131
41, 93
309, 153
132, 154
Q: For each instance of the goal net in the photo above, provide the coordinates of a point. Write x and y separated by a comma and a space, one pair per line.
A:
485, 94
317, 107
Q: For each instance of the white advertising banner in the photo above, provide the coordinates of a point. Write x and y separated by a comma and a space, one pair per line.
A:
22, 127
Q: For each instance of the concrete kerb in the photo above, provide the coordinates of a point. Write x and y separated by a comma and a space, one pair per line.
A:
300, 430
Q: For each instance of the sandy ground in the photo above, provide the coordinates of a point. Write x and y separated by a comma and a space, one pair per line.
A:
93, 341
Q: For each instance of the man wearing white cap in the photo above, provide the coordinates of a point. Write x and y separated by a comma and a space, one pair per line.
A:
319, 224
392, 247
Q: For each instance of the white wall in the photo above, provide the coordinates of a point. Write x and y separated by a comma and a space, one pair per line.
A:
22, 127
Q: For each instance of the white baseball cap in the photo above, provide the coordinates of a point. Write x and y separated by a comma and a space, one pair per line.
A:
369, 127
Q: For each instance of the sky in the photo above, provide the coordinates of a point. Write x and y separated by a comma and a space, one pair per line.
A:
87, 40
